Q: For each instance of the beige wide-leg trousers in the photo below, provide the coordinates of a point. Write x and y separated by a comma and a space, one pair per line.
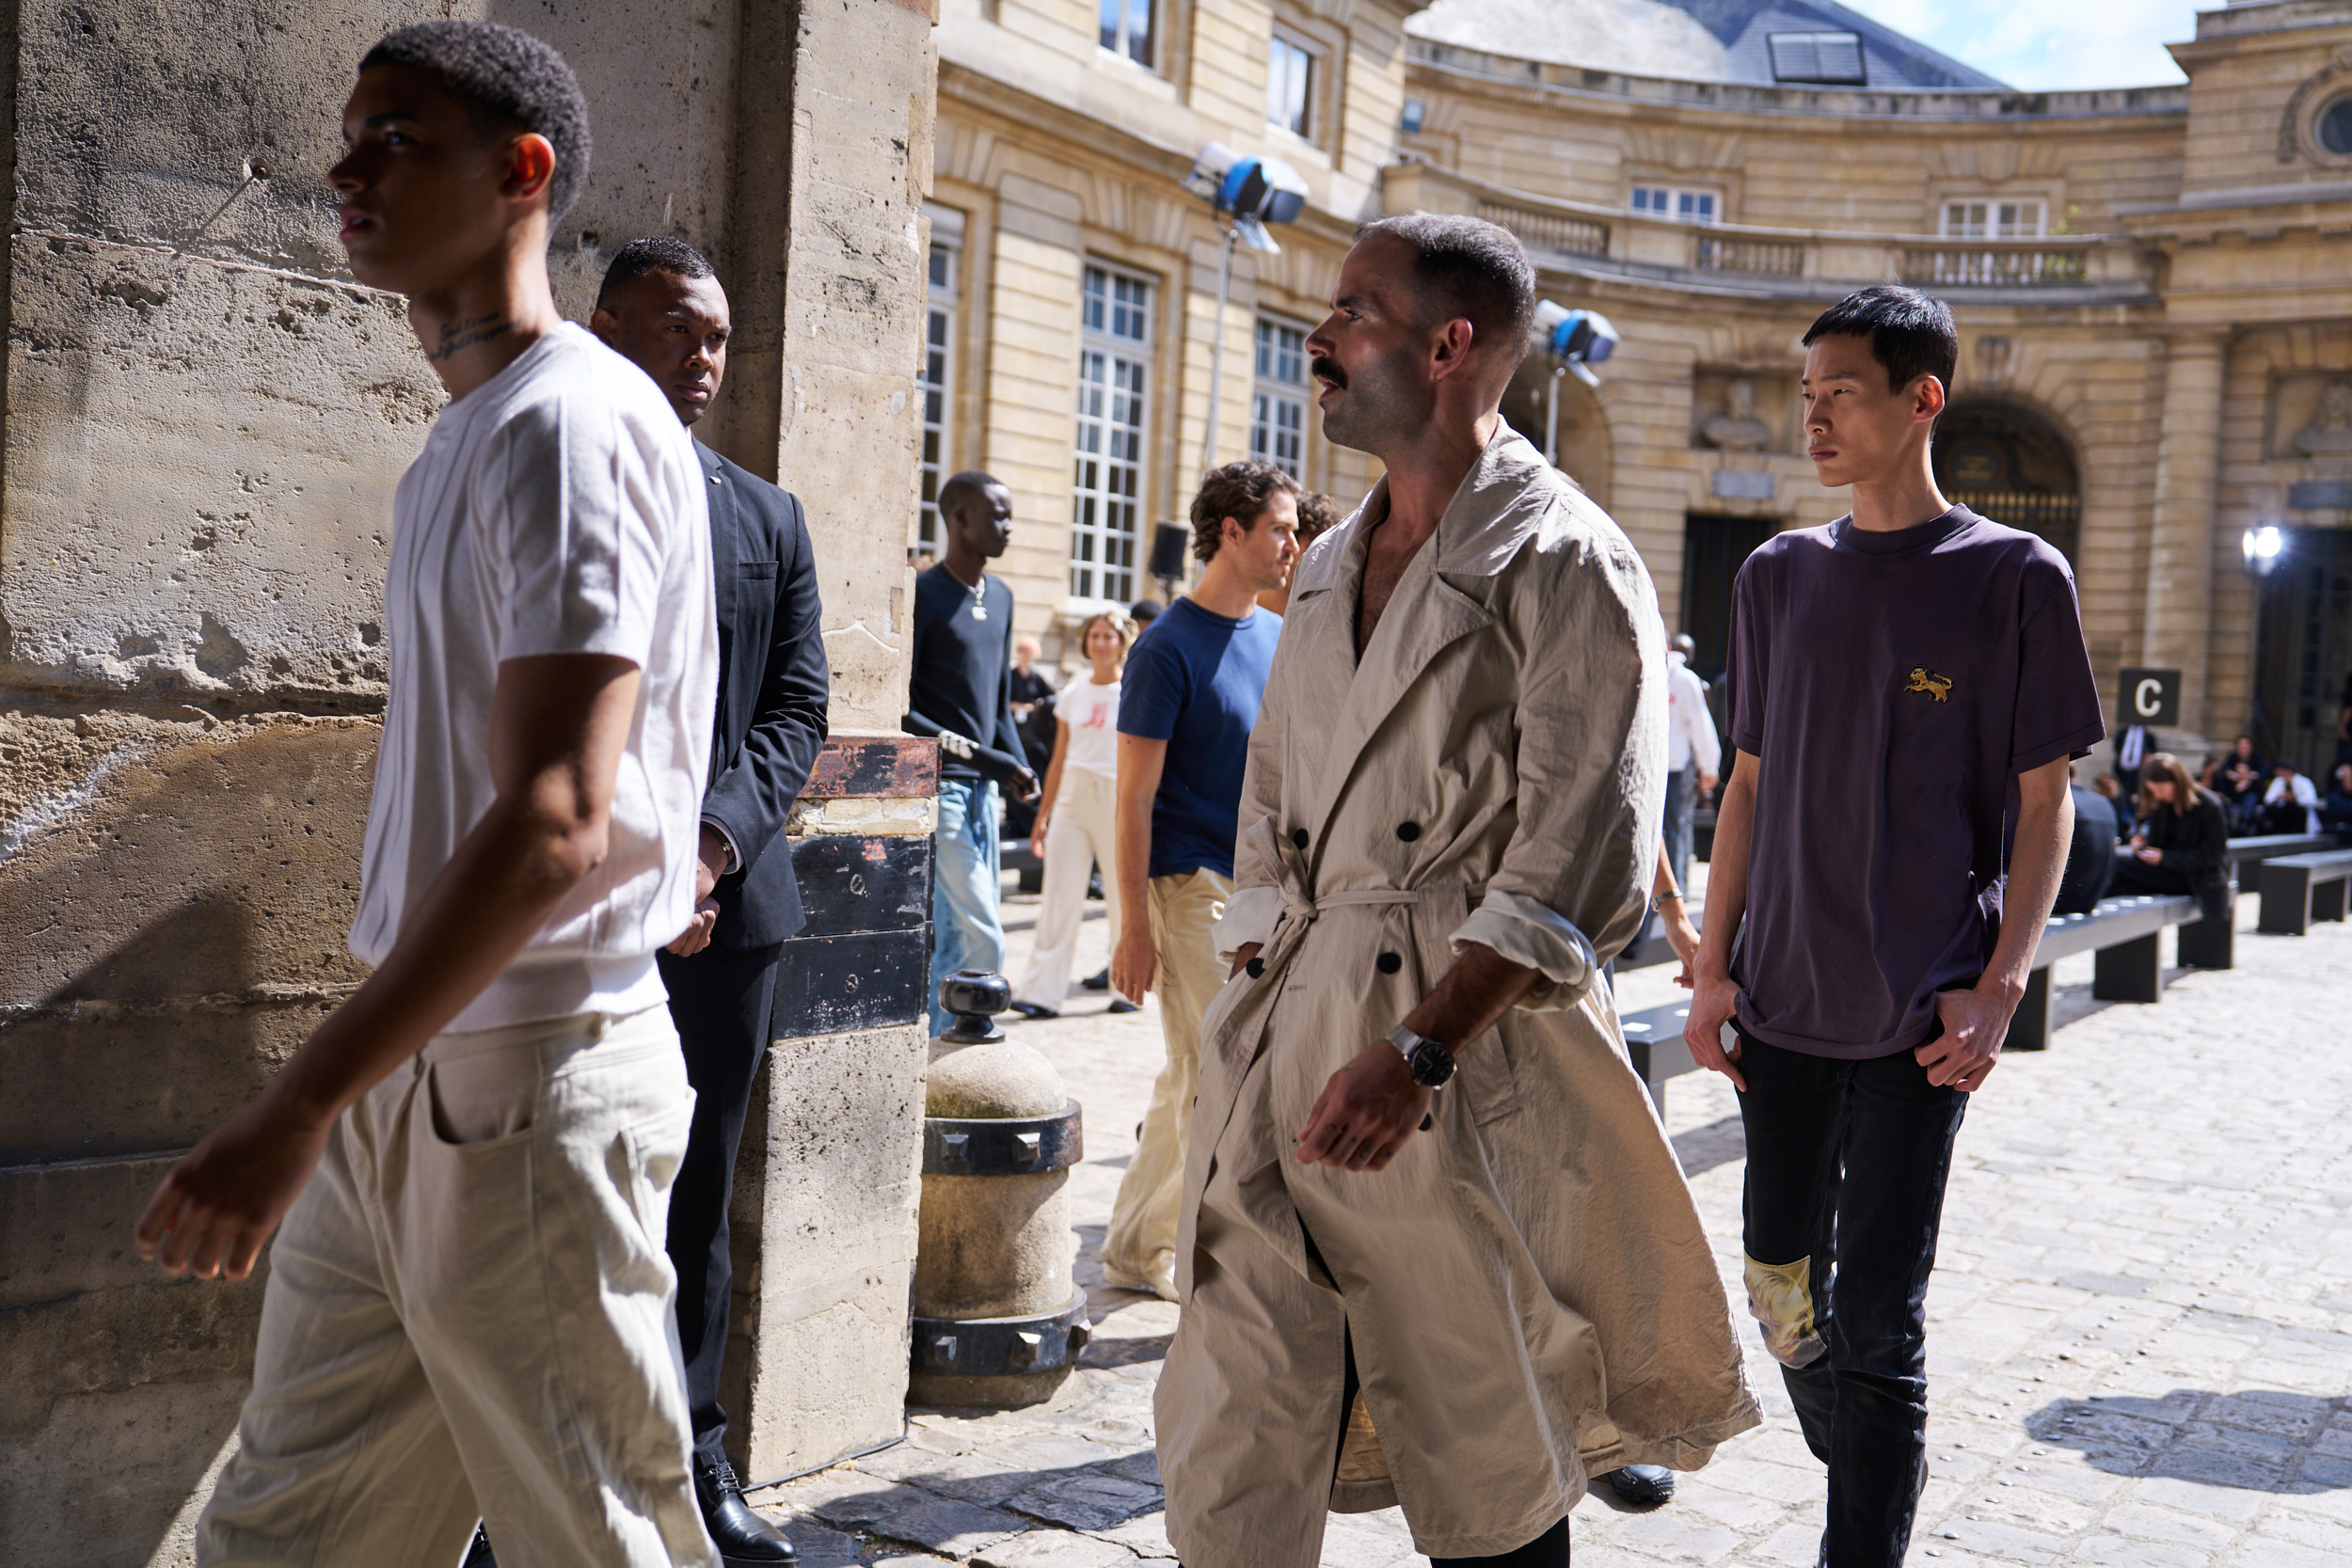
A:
1140, 1249
1079, 834
469, 1313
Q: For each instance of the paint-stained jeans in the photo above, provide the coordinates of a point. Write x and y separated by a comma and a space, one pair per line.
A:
1837, 1270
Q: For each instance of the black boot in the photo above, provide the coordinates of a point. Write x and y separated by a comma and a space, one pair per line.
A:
1641, 1485
743, 1538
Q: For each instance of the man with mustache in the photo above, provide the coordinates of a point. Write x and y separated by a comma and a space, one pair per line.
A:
1436, 1251
469, 1307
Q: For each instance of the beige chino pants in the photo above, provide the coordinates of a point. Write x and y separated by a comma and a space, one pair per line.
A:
469, 1313
1140, 1249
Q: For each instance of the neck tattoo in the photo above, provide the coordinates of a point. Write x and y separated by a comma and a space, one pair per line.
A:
464, 333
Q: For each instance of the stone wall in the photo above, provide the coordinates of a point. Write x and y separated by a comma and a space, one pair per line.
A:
204, 419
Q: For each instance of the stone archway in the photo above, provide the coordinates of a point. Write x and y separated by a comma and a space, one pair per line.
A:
1585, 450
2012, 463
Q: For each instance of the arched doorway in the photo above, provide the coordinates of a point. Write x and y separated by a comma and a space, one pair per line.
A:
2012, 466
1585, 447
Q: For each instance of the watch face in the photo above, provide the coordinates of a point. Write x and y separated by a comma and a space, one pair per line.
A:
1433, 1064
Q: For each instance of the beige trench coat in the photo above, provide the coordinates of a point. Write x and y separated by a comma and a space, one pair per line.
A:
1527, 1289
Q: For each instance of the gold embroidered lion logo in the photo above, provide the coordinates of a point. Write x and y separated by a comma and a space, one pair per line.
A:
1937, 687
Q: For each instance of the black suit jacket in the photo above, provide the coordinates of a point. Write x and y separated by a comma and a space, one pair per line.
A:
773, 685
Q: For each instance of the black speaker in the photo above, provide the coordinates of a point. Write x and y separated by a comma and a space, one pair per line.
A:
1168, 549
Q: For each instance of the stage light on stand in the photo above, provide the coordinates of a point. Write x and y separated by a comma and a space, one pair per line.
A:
1248, 193
1574, 342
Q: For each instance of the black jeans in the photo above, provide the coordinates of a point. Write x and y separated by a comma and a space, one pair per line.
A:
720, 1001
1840, 1270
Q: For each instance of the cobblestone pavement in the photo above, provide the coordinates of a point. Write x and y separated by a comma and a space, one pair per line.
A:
2140, 1338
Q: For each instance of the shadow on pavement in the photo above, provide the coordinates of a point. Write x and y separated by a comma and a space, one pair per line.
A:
1717, 1143
2256, 1440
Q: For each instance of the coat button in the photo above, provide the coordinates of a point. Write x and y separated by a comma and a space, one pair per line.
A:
1388, 963
1254, 968
1298, 838
1409, 831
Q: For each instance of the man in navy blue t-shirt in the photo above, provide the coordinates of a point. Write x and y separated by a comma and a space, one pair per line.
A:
1186, 704
1907, 687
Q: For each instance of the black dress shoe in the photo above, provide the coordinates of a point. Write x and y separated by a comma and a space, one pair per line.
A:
1120, 1004
1642, 1484
478, 1554
1030, 1009
743, 1538
1097, 982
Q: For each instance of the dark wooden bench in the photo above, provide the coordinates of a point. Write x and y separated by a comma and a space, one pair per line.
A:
2259, 847
2124, 933
1653, 1039
2299, 889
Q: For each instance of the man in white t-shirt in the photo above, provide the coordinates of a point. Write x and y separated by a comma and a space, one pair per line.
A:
1693, 751
467, 1162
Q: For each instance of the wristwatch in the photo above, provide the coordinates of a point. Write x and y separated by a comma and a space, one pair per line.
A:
1432, 1064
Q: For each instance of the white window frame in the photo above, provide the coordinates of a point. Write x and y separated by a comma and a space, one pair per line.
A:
1288, 56
1992, 217
1274, 394
1108, 480
1678, 203
1124, 34
935, 376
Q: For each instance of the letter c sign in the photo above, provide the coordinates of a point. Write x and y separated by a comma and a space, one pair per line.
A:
2151, 697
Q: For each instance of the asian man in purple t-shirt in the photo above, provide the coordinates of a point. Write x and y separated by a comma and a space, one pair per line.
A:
1907, 688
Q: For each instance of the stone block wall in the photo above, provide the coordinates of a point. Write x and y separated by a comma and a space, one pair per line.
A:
204, 418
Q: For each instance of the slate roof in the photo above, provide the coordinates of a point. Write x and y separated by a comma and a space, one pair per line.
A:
1693, 40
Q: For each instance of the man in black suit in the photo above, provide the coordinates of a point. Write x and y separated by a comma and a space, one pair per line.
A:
661, 307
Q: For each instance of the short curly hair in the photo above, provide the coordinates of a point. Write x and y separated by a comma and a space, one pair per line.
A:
1241, 491
505, 77
1318, 515
641, 258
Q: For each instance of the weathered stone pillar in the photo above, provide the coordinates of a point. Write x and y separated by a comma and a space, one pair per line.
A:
204, 419
2177, 629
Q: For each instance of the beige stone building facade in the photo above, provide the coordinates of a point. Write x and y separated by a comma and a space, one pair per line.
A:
2154, 287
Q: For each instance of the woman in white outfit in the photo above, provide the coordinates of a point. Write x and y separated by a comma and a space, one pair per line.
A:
1075, 816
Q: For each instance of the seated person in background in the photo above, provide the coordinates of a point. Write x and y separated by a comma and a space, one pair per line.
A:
2110, 789
2181, 845
1033, 723
2090, 855
2335, 810
2290, 805
2239, 782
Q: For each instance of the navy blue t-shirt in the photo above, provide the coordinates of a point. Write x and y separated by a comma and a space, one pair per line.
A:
1195, 681
1891, 687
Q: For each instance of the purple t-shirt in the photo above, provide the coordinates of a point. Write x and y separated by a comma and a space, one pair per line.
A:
1892, 686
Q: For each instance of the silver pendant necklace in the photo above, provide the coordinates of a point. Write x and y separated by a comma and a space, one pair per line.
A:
979, 611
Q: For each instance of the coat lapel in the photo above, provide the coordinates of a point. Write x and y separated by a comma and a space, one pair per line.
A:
725, 571
1491, 516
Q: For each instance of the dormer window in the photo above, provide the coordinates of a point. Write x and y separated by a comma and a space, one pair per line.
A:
1827, 59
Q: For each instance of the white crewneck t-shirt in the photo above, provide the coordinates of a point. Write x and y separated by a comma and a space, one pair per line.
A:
1091, 712
556, 509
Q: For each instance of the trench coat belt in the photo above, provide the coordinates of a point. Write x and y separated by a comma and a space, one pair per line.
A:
1301, 904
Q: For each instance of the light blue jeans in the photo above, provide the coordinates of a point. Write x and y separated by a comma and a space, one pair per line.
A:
966, 885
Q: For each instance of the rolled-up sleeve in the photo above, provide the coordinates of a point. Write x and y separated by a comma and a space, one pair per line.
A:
1531, 934
1249, 916
1591, 758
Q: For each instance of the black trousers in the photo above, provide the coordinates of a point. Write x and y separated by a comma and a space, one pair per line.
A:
720, 1001
2134, 875
1859, 1378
